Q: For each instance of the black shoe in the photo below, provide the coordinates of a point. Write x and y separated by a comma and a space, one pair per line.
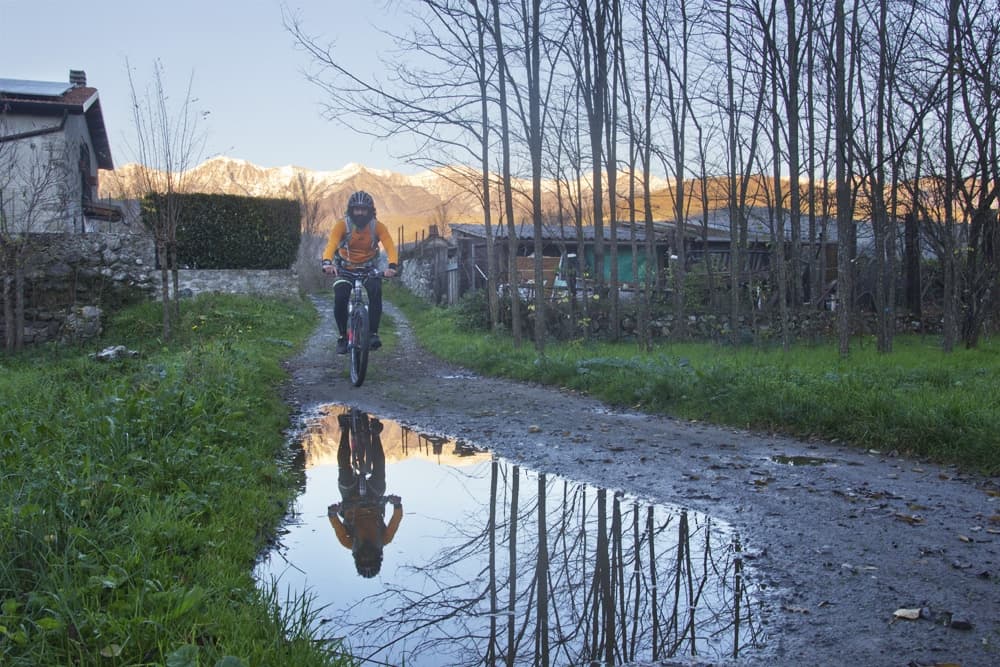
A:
341, 345
374, 343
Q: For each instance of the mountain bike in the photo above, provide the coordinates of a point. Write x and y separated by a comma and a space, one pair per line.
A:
360, 439
358, 323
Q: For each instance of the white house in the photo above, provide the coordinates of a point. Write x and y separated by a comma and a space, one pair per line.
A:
52, 144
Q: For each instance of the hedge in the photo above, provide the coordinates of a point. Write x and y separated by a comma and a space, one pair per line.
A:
217, 231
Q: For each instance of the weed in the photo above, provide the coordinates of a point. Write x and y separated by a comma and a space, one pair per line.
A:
140, 491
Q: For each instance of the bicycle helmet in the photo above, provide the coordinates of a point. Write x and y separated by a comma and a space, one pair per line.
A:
368, 561
360, 199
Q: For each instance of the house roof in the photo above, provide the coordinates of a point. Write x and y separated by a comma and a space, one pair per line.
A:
758, 224
49, 98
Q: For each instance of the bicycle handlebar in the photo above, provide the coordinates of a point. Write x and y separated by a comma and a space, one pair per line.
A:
363, 273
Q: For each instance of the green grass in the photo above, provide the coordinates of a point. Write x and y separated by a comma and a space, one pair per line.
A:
138, 493
917, 400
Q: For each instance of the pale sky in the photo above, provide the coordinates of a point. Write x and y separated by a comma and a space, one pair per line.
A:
246, 69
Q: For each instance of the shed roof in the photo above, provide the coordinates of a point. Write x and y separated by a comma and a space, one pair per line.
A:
714, 223
526, 232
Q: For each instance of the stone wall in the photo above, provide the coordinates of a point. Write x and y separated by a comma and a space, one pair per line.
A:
73, 280
417, 276
75, 277
276, 283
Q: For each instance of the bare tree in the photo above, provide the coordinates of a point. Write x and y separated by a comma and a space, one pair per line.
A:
7, 154
674, 53
534, 131
735, 207
770, 71
309, 194
650, 77
506, 175
168, 144
843, 180
792, 104
977, 51
483, 79
441, 103
34, 193
592, 74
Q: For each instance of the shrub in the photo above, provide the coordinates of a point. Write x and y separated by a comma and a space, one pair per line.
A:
232, 232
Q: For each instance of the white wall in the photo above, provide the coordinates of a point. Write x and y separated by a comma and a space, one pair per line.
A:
40, 180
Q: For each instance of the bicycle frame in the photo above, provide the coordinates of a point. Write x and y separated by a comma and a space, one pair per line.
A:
360, 439
358, 323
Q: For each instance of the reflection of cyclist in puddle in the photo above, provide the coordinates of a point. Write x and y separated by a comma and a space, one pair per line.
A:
360, 521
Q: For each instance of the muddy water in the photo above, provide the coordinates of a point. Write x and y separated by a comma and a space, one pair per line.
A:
485, 560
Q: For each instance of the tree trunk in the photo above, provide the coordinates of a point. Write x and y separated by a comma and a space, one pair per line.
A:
843, 132
792, 105
8, 297
735, 261
508, 196
951, 174
164, 290
778, 219
19, 297
611, 142
535, 146
491, 259
911, 264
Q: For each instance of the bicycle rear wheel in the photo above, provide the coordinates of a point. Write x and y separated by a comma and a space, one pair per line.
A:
360, 441
359, 345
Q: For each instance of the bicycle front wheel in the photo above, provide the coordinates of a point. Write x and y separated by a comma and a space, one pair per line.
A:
359, 345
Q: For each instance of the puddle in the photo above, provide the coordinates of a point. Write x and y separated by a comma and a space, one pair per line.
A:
475, 573
801, 460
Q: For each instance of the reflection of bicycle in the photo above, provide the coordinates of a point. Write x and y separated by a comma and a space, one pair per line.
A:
358, 322
360, 428
359, 518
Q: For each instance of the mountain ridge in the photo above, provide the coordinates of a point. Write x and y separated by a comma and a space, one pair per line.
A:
411, 202
408, 204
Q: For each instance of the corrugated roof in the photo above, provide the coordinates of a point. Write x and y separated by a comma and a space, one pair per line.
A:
716, 222
526, 231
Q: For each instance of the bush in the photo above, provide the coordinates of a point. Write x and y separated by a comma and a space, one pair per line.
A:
472, 312
232, 232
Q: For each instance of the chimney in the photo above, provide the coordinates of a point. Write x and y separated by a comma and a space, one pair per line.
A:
78, 77
432, 231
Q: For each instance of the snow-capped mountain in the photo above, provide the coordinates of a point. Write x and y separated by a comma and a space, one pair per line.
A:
400, 198
408, 203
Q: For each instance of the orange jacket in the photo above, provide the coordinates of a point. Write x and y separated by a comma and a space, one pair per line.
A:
362, 249
367, 522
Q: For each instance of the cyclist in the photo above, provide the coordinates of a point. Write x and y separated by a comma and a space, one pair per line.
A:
359, 521
354, 245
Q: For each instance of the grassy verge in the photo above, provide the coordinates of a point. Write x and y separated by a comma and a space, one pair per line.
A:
916, 400
138, 493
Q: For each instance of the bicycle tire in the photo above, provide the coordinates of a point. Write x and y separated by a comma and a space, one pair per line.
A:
359, 345
360, 441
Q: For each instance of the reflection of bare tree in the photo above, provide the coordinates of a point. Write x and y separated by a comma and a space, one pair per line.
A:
593, 594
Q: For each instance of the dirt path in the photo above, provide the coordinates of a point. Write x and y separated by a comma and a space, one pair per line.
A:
838, 546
